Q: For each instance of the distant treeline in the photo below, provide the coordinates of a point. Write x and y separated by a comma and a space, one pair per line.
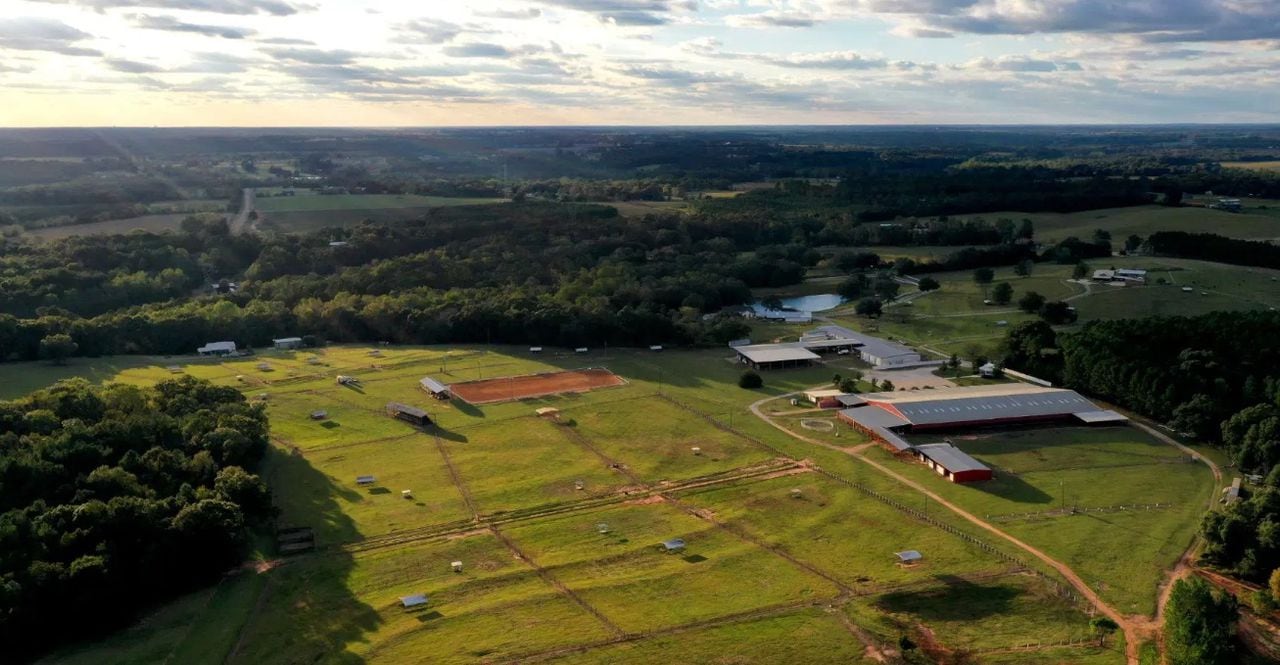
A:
1213, 247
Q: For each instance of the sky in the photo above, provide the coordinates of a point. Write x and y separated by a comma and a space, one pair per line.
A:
405, 63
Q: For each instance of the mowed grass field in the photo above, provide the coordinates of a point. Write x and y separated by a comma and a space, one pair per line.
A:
1121, 553
954, 318
309, 212
496, 488
1251, 224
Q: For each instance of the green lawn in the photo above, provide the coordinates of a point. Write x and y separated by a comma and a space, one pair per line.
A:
1145, 220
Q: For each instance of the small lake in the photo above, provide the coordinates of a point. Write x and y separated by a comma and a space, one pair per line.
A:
814, 303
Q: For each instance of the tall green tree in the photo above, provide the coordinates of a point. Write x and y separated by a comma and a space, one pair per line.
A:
1199, 625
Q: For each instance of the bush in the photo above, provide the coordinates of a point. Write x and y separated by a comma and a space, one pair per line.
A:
750, 380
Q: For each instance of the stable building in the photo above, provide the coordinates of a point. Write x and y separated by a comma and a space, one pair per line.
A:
880, 353
952, 463
776, 356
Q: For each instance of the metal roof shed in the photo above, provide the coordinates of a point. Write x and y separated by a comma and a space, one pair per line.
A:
416, 600
673, 545
432, 386
909, 556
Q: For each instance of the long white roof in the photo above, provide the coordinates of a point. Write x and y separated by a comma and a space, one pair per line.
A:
776, 353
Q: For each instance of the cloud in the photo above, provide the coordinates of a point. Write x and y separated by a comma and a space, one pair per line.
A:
313, 56
1018, 63
627, 13
171, 24
830, 60
522, 14
234, 7
478, 50
41, 34
132, 66
772, 19
286, 41
428, 31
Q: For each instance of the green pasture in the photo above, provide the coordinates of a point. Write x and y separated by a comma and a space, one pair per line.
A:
799, 637
641, 588
344, 608
341, 606
1124, 554
1145, 220
322, 202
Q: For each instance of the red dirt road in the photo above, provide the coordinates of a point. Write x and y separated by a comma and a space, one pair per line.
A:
509, 388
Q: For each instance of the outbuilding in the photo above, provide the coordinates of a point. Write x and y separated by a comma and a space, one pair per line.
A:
952, 463
409, 414
909, 556
217, 349
673, 545
776, 356
416, 600
287, 343
434, 388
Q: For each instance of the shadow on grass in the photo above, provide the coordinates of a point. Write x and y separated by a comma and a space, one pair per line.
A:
466, 408
329, 424
456, 437
694, 558
308, 613
1012, 488
354, 387
955, 600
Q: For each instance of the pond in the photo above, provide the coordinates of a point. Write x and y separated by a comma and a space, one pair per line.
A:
815, 303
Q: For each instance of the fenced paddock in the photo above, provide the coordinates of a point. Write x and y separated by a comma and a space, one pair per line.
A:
543, 384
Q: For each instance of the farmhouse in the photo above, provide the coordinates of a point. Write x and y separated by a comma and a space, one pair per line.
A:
409, 414
287, 343
952, 463
434, 388
1120, 275
217, 349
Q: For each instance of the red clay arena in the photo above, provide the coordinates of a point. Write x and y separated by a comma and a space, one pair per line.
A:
509, 388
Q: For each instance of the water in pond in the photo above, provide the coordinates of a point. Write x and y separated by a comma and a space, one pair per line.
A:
814, 303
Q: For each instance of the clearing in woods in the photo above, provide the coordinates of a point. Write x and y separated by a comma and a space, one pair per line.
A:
509, 388
557, 525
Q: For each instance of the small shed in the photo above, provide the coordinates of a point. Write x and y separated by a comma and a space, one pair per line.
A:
434, 388
319, 415
548, 412
673, 545
365, 480
416, 600
287, 343
217, 349
456, 566
581, 349
987, 371
655, 347
535, 349
909, 556
264, 367
409, 414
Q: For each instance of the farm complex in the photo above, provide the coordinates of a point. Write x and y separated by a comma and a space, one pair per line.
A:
591, 520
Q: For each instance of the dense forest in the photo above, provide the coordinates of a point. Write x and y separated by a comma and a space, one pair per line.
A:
1213, 247
118, 497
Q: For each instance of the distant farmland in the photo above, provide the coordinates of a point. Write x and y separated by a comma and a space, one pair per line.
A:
309, 212
1145, 220
1253, 166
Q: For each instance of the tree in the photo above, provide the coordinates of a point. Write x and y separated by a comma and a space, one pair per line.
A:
1024, 268
849, 385
869, 307
835, 380
886, 386
57, 348
1080, 271
1101, 237
1199, 624
954, 363
1200, 416
1103, 627
772, 302
1273, 583
1026, 230
1031, 302
750, 380
1058, 313
1132, 243
886, 288
928, 284
852, 288
1002, 293
984, 276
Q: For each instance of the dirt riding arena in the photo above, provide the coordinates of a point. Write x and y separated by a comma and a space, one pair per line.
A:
508, 388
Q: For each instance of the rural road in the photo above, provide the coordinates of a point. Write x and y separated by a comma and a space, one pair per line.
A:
1133, 631
240, 223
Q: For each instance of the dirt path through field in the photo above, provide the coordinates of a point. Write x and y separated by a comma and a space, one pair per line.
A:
240, 223
1133, 632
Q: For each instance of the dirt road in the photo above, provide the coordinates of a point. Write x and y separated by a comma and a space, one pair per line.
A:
240, 223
